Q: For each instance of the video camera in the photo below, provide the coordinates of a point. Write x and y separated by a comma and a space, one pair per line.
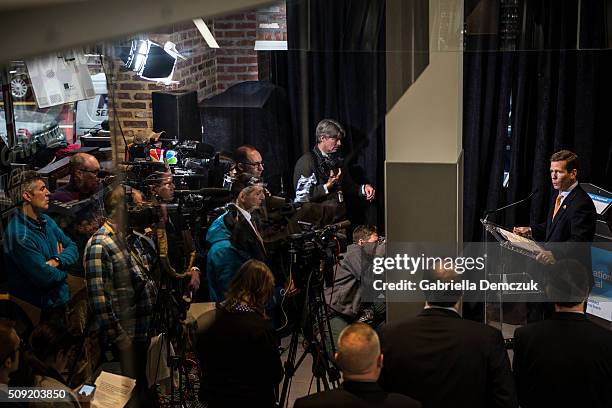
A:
189, 155
142, 216
331, 162
316, 251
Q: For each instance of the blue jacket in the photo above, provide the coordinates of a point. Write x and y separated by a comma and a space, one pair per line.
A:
28, 244
222, 260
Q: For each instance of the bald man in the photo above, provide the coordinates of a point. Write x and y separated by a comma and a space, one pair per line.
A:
360, 360
84, 182
85, 220
248, 160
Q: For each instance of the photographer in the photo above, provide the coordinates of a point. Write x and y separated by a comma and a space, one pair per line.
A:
345, 296
121, 295
319, 175
234, 237
162, 189
237, 346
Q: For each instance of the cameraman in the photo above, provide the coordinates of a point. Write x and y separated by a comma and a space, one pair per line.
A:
234, 237
162, 190
318, 175
345, 296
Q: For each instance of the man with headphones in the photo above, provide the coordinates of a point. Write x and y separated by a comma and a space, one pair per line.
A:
318, 175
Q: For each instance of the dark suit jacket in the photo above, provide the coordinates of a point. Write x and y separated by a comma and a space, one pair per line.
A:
565, 361
445, 361
243, 237
575, 221
357, 394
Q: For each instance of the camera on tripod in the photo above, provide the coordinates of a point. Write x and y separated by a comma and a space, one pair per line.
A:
313, 255
316, 251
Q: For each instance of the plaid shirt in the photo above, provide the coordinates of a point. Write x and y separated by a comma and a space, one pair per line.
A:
121, 295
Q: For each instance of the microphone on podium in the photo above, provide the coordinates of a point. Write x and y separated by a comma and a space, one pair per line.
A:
529, 197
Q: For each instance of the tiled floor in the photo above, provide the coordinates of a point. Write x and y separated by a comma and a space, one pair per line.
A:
302, 383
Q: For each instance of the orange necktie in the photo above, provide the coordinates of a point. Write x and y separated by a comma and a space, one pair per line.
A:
557, 205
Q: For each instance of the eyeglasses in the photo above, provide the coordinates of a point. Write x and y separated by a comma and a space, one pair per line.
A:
91, 171
255, 164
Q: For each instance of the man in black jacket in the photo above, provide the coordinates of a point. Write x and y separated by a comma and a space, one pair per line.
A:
360, 360
443, 360
566, 360
319, 175
568, 229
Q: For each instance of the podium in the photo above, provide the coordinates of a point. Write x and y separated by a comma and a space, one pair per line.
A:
506, 309
511, 241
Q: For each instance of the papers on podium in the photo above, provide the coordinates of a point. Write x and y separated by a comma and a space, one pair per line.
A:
512, 241
519, 241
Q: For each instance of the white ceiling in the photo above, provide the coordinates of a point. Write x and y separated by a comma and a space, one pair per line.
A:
16, 4
37, 27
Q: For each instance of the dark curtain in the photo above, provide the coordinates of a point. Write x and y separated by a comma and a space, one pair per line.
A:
558, 85
560, 100
486, 106
336, 66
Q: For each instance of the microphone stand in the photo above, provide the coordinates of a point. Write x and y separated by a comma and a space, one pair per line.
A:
489, 212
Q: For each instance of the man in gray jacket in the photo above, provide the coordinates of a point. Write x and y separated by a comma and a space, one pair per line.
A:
345, 296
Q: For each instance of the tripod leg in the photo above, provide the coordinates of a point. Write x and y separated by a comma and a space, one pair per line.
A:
289, 368
327, 364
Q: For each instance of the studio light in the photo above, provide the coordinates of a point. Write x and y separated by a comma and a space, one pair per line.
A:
151, 61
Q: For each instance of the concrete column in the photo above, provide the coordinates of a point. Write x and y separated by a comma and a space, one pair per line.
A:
424, 166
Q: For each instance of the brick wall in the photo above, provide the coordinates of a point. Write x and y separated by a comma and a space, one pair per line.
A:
236, 34
272, 23
207, 71
198, 72
133, 94
236, 59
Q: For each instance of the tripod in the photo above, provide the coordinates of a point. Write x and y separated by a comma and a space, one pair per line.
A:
317, 333
169, 313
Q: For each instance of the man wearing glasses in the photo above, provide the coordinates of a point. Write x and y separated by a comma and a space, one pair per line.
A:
248, 160
84, 181
85, 219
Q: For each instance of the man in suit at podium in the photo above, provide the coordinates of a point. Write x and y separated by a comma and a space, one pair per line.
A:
571, 216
